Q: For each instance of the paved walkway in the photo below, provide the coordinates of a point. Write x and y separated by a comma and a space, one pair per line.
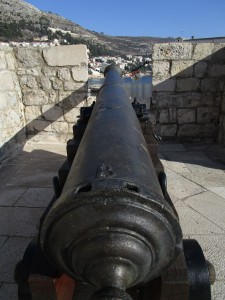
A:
196, 184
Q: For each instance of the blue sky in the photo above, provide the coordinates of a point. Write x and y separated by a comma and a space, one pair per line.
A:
162, 18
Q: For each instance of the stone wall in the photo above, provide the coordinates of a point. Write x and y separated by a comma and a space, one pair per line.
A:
41, 92
188, 91
12, 122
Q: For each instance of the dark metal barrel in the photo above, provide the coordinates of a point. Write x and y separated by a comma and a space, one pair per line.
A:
111, 226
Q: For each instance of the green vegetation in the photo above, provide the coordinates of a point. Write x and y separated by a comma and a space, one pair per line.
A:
67, 38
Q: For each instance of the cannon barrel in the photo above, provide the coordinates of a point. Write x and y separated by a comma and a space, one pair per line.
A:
111, 226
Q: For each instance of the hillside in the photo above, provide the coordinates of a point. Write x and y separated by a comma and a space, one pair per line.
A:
21, 21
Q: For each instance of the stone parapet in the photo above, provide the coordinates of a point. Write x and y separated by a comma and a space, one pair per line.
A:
189, 78
41, 88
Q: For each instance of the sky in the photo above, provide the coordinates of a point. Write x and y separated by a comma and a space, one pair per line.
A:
158, 18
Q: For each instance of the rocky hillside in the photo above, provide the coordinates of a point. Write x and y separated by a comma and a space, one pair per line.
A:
21, 21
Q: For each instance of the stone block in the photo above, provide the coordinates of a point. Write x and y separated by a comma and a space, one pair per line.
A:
168, 130
7, 81
39, 125
207, 130
60, 127
52, 96
207, 99
71, 116
80, 74
8, 197
211, 206
52, 112
25, 221
57, 84
10, 254
173, 115
28, 82
45, 83
203, 51
209, 85
28, 57
10, 61
3, 64
190, 100
188, 85
207, 114
9, 100
200, 69
72, 86
49, 72
167, 85
188, 130
37, 97
172, 51
182, 68
36, 197
73, 55
186, 115
161, 68
164, 116
216, 70
64, 74
32, 113
190, 221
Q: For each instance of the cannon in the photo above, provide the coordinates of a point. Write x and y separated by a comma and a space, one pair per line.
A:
111, 231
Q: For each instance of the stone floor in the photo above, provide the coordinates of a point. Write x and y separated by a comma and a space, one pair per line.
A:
196, 184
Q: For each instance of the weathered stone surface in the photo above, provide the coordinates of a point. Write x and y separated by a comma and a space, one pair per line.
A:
32, 112
203, 51
173, 115
200, 69
3, 64
207, 99
73, 55
73, 86
164, 116
38, 97
216, 70
36, 71
9, 100
28, 57
71, 116
188, 130
209, 85
186, 115
64, 74
60, 127
161, 68
188, 85
28, 81
182, 68
39, 125
207, 114
7, 81
172, 51
80, 74
10, 61
167, 85
207, 130
49, 71
57, 84
168, 130
52, 112
45, 83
